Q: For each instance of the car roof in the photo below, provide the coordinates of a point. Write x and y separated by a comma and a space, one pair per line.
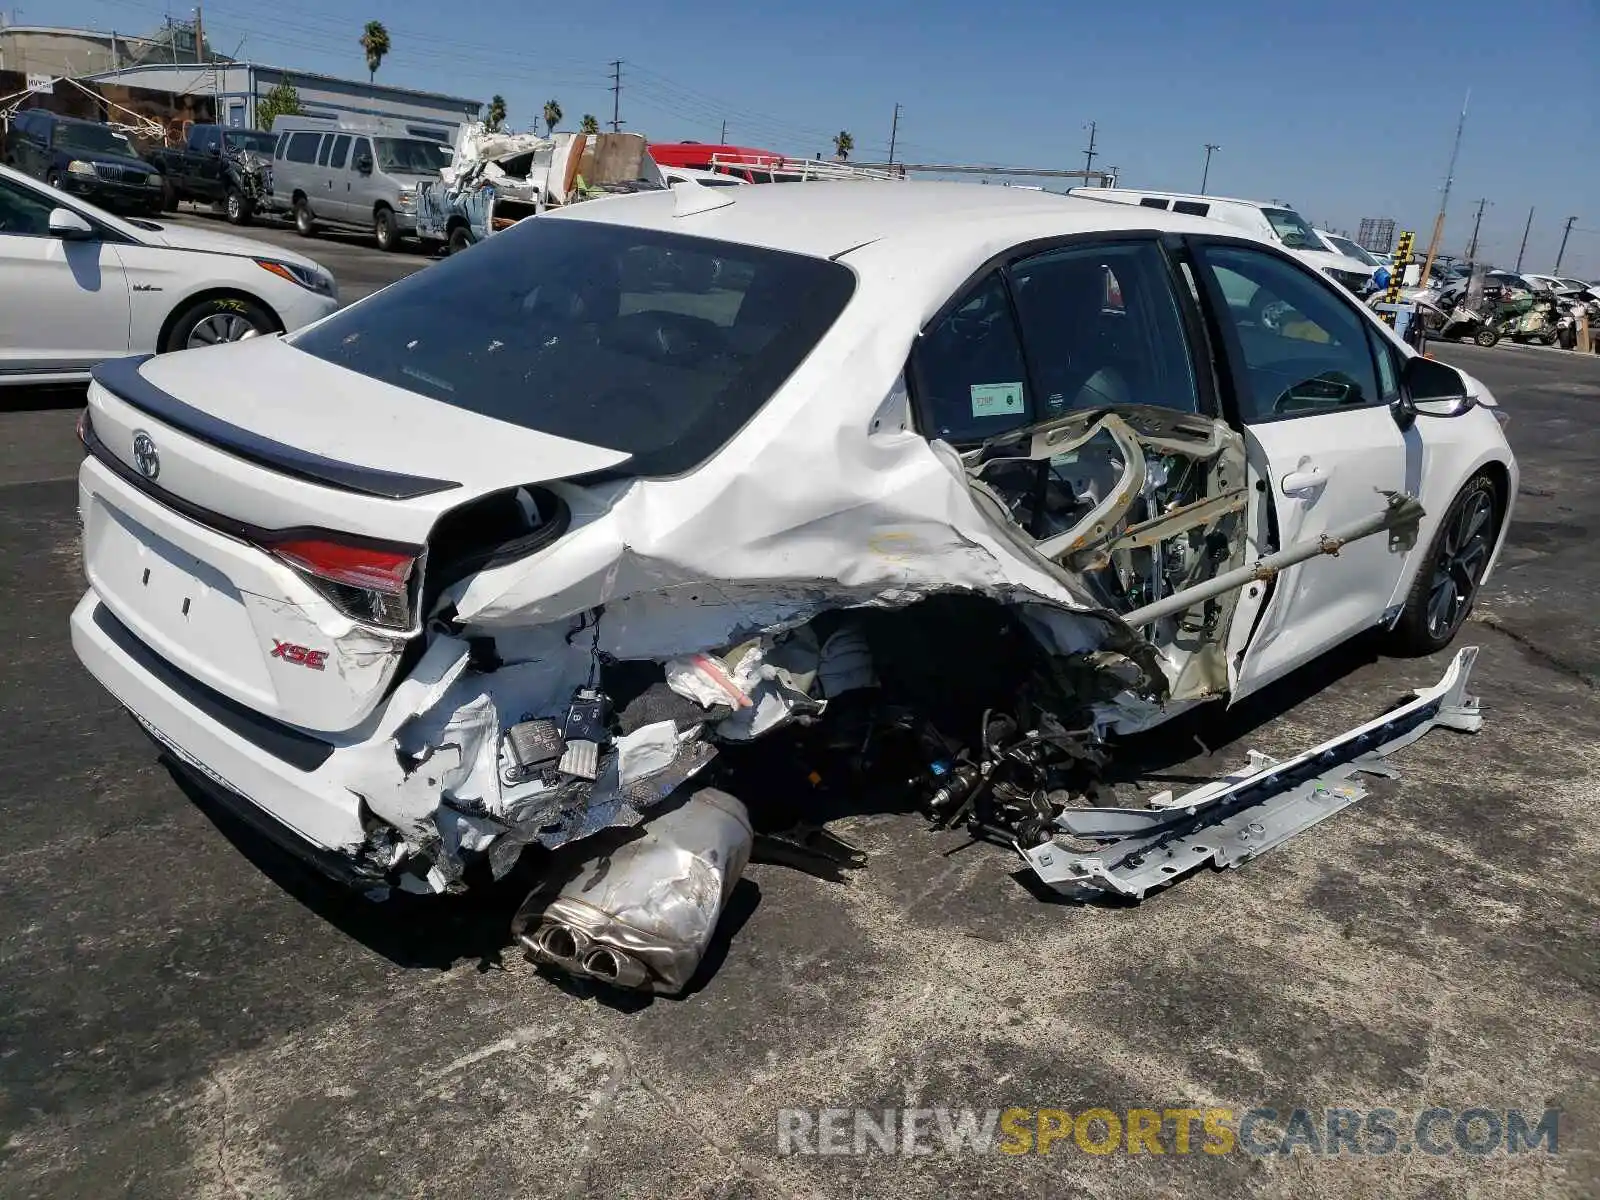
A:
827, 219
1158, 193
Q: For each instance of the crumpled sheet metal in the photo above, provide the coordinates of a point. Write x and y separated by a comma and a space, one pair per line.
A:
655, 899
738, 545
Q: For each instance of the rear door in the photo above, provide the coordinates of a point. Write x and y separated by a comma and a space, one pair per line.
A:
32, 146
1121, 476
203, 163
64, 305
1323, 445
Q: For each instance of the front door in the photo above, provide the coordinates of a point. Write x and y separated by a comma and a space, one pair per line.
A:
63, 304
339, 205
1323, 449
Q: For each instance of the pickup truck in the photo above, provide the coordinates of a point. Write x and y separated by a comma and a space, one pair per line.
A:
219, 166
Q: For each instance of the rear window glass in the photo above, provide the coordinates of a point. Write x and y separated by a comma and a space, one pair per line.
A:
656, 344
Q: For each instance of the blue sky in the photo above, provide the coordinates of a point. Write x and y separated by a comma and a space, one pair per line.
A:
1343, 109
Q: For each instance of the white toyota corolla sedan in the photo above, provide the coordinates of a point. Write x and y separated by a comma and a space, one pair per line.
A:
79, 285
506, 553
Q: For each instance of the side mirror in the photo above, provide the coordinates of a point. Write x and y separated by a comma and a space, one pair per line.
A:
69, 226
364, 165
1428, 381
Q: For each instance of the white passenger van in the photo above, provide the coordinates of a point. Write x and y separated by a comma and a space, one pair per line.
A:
352, 175
1259, 218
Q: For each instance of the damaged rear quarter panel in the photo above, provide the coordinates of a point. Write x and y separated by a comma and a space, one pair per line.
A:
805, 509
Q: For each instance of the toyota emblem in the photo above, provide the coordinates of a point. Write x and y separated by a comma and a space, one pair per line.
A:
144, 454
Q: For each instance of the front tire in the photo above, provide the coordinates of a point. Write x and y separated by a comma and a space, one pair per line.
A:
237, 207
303, 224
1447, 580
217, 321
1486, 337
387, 230
459, 240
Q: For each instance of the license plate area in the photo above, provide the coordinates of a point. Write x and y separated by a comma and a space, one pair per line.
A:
184, 608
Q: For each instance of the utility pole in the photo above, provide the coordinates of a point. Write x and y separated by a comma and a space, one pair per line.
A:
199, 36
1522, 249
1444, 200
1211, 148
1472, 246
894, 130
616, 95
723, 140
1089, 154
1565, 233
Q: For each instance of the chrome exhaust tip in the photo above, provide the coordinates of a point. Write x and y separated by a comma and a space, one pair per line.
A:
614, 967
555, 943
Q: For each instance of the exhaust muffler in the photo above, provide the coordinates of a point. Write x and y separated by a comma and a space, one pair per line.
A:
640, 915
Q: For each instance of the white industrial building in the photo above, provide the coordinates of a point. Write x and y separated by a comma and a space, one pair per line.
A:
237, 86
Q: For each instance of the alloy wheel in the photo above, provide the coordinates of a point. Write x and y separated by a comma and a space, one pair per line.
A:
221, 327
1463, 554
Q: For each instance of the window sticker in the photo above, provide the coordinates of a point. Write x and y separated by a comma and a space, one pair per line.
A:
996, 399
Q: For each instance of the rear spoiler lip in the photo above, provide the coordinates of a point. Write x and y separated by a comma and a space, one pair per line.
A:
256, 535
122, 378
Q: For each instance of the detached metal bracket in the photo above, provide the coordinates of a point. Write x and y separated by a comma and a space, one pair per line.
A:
1232, 820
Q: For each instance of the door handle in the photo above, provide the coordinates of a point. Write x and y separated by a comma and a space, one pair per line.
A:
1306, 483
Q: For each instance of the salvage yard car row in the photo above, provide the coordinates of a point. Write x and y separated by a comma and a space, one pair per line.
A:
631, 516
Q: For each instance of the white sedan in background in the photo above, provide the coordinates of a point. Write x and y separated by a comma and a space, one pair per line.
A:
78, 286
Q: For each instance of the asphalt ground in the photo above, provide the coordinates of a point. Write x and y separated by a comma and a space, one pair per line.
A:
184, 1012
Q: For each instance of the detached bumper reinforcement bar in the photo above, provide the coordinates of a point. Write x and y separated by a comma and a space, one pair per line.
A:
1232, 820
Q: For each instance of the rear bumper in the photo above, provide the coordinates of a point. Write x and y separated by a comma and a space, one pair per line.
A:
306, 810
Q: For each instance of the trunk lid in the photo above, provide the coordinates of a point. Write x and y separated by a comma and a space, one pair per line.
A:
260, 518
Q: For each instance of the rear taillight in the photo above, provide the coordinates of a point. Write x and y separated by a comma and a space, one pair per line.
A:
366, 583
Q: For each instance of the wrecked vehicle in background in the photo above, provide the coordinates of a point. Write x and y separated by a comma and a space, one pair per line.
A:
654, 530
496, 179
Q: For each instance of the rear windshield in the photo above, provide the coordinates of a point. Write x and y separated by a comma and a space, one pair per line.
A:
655, 344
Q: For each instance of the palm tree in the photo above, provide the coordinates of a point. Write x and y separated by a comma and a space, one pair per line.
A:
497, 113
552, 115
375, 41
589, 124
843, 144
